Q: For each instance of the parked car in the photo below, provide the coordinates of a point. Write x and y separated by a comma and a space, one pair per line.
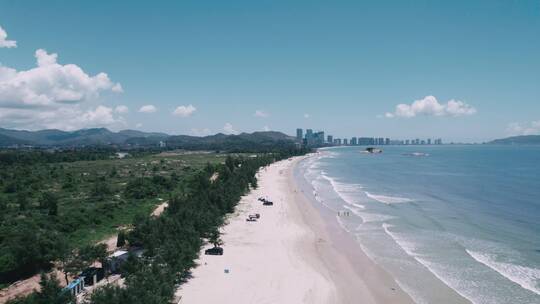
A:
268, 203
214, 251
251, 219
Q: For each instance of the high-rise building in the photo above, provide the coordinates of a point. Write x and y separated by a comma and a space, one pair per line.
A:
337, 142
429, 141
354, 141
330, 139
417, 141
366, 141
407, 141
299, 134
387, 141
319, 138
345, 142
309, 133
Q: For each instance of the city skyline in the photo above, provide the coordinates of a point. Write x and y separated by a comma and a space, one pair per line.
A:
182, 68
311, 138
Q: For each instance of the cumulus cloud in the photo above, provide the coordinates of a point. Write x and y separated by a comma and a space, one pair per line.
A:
52, 95
184, 111
148, 109
201, 132
228, 128
50, 84
69, 117
526, 128
260, 113
429, 106
4, 43
121, 109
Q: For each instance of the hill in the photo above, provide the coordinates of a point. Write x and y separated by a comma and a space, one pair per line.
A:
518, 140
257, 141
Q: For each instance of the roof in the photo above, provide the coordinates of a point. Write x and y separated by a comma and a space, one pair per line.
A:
118, 253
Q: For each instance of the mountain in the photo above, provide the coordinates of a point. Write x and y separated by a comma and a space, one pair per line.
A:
518, 140
78, 138
257, 141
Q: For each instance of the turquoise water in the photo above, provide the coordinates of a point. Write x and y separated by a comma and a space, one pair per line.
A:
449, 223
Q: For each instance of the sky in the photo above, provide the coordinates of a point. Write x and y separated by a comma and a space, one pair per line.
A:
466, 71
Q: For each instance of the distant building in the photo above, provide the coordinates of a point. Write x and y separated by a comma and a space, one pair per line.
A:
407, 141
162, 144
423, 142
299, 134
337, 141
345, 142
330, 139
366, 141
387, 141
417, 141
354, 141
309, 137
319, 138
429, 141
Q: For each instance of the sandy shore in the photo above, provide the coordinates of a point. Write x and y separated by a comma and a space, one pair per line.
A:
292, 254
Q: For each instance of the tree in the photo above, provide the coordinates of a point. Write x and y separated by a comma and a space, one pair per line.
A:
49, 201
215, 238
50, 293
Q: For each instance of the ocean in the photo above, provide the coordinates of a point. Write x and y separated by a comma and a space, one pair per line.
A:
448, 222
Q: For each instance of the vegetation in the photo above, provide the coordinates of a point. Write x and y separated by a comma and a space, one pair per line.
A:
55, 210
50, 293
55, 203
172, 241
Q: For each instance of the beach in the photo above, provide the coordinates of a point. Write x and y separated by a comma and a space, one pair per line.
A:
292, 254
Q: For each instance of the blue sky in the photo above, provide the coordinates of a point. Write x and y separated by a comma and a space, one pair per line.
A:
346, 64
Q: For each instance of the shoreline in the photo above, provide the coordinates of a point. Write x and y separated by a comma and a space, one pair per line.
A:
293, 254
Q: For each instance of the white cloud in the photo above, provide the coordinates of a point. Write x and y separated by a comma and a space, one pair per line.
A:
121, 109
52, 95
528, 128
429, 106
201, 132
4, 43
260, 113
228, 128
68, 117
266, 128
148, 109
50, 84
184, 111
306, 116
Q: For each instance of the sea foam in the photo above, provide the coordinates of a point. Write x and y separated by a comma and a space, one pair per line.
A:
526, 277
387, 199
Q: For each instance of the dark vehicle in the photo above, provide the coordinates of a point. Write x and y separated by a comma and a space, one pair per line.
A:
251, 219
268, 203
256, 215
214, 251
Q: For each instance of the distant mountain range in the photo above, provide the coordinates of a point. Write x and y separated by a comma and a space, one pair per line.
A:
518, 140
132, 138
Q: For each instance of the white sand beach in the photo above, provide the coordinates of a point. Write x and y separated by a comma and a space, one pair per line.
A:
290, 255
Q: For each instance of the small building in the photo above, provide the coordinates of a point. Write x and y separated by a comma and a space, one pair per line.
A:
118, 258
76, 286
92, 275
